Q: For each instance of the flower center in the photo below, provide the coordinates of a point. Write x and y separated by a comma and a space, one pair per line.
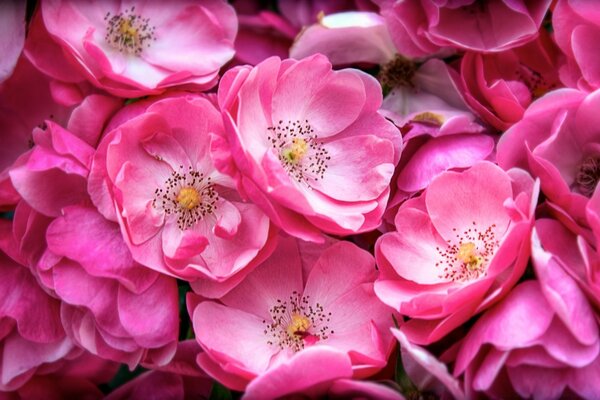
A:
302, 156
588, 176
398, 73
468, 256
296, 323
128, 32
187, 194
189, 198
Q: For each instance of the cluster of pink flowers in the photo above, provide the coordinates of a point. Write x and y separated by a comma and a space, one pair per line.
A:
350, 199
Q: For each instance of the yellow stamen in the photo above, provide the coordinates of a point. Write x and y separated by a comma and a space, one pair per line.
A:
299, 324
295, 151
429, 117
188, 198
467, 253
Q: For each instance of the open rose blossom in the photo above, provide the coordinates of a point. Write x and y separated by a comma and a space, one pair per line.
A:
558, 140
459, 247
307, 144
424, 27
293, 326
136, 49
540, 342
154, 174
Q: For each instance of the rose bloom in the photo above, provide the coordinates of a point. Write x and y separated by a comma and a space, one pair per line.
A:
500, 86
293, 326
307, 145
135, 50
424, 27
558, 140
540, 342
154, 175
576, 28
459, 247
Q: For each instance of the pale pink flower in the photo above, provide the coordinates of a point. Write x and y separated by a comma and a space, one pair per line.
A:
576, 26
346, 38
154, 175
500, 86
424, 27
132, 50
293, 326
307, 145
459, 247
540, 342
558, 141
12, 35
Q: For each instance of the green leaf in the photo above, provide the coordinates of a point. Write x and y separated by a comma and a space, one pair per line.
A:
220, 392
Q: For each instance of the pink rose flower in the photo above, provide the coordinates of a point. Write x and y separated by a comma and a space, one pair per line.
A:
154, 175
500, 86
557, 141
425, 27
468, 233
137, 50
293, 326
12, 35
576, 28
540, 342
308, 146
35, 353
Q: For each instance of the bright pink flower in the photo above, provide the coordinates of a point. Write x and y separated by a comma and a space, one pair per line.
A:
12, 35
308, 146
35, 353
500, 86
558, 141
424, 27
540, 342
459, 247
154, 175
135, 50
576, 26
111, 306
293, 325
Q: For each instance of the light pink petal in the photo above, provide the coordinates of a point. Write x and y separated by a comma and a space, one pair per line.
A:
151, 317
457, 200
234, 333
306, 370
360, 168
12, 21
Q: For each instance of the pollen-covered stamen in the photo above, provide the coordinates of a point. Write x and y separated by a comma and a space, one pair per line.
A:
129, 32
588, 176
296, 322
538, 86
301, 154
398, 73
187, 194
468, 255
